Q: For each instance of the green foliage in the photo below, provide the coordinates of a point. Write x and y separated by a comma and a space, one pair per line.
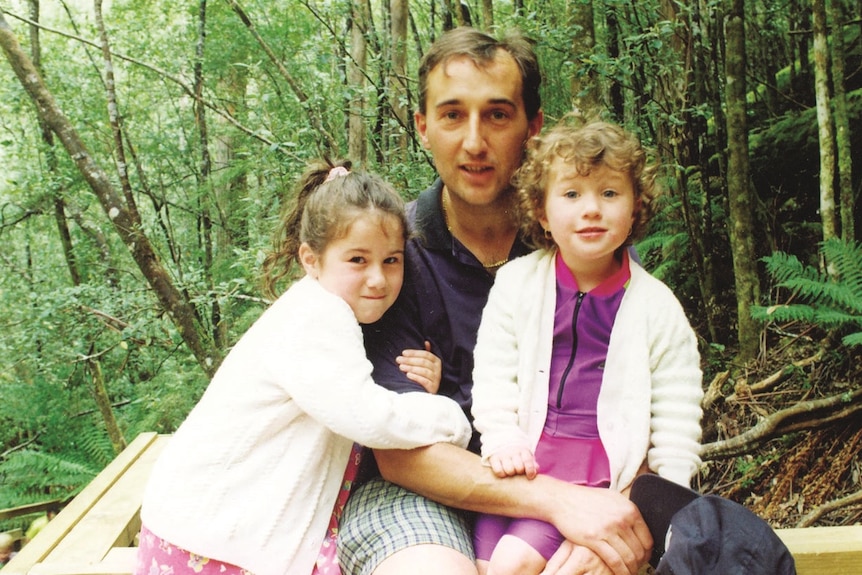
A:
830, 299
260, 137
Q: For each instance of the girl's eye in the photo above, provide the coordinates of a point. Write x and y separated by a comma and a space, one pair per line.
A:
357, 260
392, 260
571, 194
610, 193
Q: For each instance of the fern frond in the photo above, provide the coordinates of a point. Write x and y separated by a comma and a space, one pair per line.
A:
852, 339
831, 301
783, 313
29, 472
784, 267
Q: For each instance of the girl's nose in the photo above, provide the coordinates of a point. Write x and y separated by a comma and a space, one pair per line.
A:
375, 277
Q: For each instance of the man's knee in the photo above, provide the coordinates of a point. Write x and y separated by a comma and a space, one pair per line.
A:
427, 559
384, 525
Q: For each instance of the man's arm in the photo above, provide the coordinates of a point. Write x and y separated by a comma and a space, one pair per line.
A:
599, 519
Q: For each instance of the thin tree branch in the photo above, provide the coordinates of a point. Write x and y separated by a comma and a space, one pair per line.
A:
271, 144
812, 516
330, 144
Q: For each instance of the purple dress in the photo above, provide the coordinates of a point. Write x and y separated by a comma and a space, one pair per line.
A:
570, 447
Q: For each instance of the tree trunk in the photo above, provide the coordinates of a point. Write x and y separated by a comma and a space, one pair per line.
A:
585, 89
103, 401
847, 203
357, 142
206, 193
123, 221
114, 116
488, 15
615, 96
824, 121
398, 73
740, 201
51, 158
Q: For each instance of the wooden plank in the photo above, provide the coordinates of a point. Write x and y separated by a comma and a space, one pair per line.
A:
113, 520
118, 561
47, 539
825, 550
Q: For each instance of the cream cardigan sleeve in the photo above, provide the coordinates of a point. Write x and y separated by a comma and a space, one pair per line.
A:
505, 354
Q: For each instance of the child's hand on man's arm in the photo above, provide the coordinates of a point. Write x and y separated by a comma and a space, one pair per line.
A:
422, 367
513, 460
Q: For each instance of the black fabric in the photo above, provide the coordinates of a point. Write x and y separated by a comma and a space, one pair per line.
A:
658, 500
706, 534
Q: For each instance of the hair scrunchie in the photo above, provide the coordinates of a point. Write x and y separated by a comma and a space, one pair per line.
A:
336, 172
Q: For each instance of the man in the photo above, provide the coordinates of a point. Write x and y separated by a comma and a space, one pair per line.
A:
479, 104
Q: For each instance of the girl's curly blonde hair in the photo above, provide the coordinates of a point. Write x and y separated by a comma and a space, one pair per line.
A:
586, 147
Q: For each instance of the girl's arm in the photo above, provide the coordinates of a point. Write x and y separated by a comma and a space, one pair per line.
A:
497, 394
317, 358
677, 390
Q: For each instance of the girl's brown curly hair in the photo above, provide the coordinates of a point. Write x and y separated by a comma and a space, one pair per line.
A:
586, 147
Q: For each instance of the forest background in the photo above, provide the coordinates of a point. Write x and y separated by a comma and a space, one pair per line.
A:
147, 147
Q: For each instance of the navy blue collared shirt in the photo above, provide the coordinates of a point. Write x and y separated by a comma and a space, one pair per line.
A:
445, 289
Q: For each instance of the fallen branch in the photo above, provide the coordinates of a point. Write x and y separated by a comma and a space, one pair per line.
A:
777, 424
812, 516
713, 391
777, 377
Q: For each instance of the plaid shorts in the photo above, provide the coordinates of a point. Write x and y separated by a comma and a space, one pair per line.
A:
381, 518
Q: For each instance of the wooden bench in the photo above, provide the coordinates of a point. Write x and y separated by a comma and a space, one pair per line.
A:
825, 550
95, 533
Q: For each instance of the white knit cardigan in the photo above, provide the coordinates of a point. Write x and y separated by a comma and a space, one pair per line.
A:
252, 474
649, 403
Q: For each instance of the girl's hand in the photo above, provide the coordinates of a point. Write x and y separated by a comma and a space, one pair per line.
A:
514, 460
422, 366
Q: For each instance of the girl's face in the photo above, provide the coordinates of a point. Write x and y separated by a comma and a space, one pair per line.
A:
590, 216
364, 267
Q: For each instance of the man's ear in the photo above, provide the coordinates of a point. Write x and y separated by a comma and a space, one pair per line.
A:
421, 127
535, 125
309, 260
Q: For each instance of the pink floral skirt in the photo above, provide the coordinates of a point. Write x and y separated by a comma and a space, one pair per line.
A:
159, 557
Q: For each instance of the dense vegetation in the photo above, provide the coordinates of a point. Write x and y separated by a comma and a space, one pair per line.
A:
131, 250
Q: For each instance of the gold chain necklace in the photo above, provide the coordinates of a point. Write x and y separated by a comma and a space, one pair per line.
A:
489, 267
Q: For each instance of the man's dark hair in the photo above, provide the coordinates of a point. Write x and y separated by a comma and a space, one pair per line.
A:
482, 49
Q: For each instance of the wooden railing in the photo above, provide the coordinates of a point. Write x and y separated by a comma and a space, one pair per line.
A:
95, 533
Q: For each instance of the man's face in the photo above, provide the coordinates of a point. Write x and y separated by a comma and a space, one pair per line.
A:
475, 125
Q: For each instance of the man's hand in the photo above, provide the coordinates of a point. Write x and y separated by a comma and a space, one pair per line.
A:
607, 524
571, 559
421, 366
514, 460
